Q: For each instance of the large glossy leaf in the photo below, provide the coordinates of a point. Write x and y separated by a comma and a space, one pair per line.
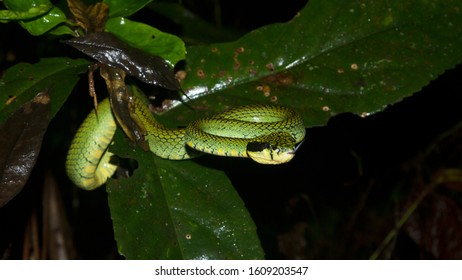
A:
21, 82
332, 57
20, 142
178, 210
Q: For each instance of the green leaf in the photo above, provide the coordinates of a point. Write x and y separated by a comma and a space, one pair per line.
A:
147, 38
7, 15
43, 23
194, 30
123, 8
62, 30
332, 57
21, 83
178, 210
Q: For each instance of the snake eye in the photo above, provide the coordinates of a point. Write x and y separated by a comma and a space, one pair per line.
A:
258, 146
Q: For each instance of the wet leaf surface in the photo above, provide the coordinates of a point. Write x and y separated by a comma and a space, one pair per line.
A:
107, 49
24, 15
148, 39
20, 142
41, 24
178, 210
332, 57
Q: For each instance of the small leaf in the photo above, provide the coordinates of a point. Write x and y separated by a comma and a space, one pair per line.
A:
20, 141
45, 22
90, 18
78, 9
7, 15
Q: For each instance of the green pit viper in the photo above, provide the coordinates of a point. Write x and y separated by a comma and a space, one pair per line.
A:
265, 133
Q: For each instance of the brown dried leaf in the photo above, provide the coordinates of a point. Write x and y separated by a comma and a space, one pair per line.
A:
91, 18
78, 8
20, 141
110, 50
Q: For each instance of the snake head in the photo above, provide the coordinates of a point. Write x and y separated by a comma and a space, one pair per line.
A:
274, 148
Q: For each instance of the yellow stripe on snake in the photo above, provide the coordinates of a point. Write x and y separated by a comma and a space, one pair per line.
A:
267, 134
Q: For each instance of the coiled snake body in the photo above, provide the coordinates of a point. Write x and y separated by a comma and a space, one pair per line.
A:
267, 134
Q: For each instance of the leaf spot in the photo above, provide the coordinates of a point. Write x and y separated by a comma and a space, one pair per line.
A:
237, 65
10, 100
200, 73
240, 50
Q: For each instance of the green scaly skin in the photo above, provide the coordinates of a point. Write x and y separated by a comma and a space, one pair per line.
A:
164, 142
226, 134
87, 160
